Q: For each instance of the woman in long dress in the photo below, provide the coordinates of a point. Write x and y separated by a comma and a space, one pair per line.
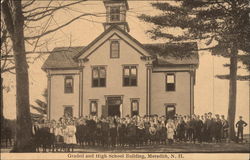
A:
170, 126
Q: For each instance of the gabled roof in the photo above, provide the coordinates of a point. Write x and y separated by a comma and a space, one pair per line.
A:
103, 34
62, 57
166, 54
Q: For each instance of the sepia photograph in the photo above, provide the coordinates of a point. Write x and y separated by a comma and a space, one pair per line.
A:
125, 79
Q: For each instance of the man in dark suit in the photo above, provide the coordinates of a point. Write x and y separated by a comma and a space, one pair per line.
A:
225, 127
218, 128
105, 132
240, 126
209, 126
91, 125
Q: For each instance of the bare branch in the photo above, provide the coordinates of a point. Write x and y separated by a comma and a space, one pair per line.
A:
37, 8
7, 69
55, 29
52, 10
28, 3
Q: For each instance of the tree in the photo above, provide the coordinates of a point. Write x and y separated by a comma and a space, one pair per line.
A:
41, 107
224, 24
17, 17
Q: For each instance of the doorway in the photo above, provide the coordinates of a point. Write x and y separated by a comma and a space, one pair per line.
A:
170, 111
114, 104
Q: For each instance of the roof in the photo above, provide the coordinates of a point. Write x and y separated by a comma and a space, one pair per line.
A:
185, 53
165, 53
117, 1
103, 34
62, 57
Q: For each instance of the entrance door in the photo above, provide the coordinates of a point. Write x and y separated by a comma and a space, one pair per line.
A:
170, 111
114, 106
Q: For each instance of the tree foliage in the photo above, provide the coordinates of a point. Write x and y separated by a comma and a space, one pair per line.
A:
222, 26
40, 107
214, 22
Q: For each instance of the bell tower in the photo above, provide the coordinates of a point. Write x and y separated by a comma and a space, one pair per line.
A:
116, 14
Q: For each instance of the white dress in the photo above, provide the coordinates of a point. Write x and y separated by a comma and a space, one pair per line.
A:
71, 136
170, 130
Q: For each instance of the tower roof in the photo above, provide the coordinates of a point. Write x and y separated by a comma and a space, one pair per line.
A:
117, 1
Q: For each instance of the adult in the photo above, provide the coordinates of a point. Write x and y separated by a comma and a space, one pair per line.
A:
225, 127
240, 126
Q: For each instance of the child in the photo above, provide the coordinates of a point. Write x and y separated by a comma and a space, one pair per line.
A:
170, 131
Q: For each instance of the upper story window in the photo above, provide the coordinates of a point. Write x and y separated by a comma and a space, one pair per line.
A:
134, 107
170, 82
68, 84
129, 76
114, 49
114, 14
98, 76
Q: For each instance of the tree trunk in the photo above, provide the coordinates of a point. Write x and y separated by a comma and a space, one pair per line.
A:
232, 91
14, 20
1, 109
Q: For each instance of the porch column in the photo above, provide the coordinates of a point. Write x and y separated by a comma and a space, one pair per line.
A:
49, 95
191, 92
81, 91
148, 89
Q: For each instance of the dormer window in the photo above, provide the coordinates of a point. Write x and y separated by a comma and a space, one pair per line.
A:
114, 14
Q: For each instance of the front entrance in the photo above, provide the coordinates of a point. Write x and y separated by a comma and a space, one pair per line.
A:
170, 111
114, 104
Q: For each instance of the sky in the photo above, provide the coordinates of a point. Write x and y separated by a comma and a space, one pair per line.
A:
211, 94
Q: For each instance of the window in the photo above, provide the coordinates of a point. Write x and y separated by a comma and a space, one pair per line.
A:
114, 14
98, 76
68, 111
170, 82
114, 49
134, 107
68, 84
170, 111
93, 108
129, 76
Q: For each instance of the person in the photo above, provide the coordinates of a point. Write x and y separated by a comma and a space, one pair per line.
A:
146, 126
209, 126
240, 126
98, 132
225, 127
170, 131
140, 131
218, 128
91, 127
198, 129
105, 132
35, 128
132, 133
163, 132
71, 137
192, 133
121, 127
8, 135
152, 132
112, 133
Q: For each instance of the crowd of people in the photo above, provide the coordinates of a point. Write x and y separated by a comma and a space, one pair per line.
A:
134, 131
